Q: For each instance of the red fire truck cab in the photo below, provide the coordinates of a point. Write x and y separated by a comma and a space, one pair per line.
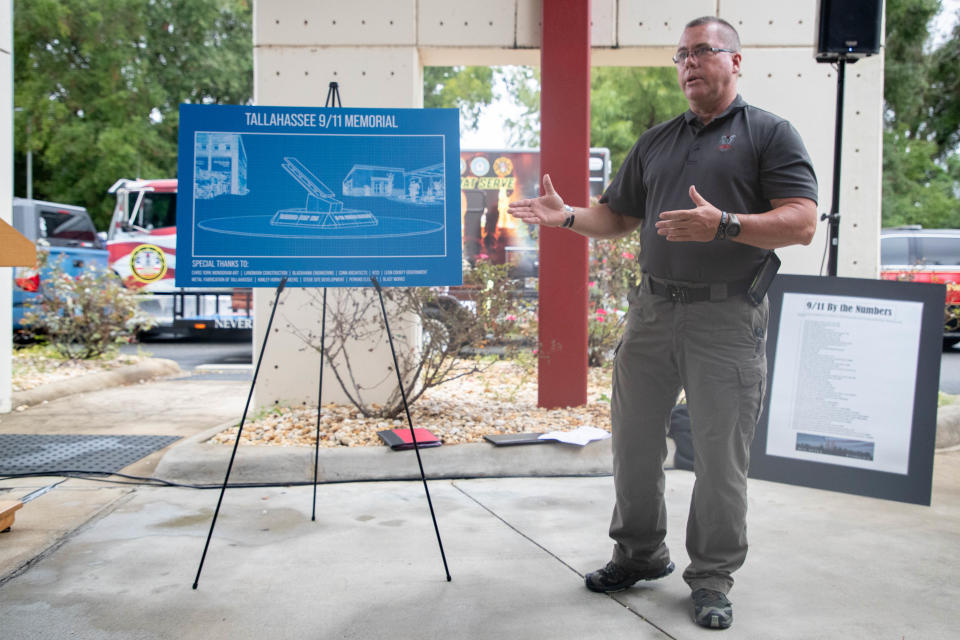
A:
142, 246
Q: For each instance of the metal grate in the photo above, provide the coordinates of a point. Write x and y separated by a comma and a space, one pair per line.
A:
23, 453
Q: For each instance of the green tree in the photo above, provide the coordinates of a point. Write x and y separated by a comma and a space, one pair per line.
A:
921, 169
626, 101
916, 189
905, 63
944, 91
98, 82
523, 84
469, 89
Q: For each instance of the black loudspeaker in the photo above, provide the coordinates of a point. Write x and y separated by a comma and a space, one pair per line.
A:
848, 29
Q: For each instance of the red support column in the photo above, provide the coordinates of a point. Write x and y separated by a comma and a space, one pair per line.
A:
564, 154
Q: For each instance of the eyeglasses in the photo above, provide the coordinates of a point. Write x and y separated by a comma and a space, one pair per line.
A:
699, 53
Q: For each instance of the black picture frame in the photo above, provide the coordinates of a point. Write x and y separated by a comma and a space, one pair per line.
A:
915, 486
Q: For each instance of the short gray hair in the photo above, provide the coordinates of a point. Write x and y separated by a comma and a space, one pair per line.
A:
730, 35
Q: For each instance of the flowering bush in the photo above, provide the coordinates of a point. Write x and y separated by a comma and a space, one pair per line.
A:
603, 332
613, 273
446, 327
951, 314
502, 314
83, 316
429, 360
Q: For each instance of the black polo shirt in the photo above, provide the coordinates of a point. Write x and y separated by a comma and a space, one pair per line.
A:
741, 160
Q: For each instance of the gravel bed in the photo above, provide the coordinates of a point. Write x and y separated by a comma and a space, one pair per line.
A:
31, 369
502, 398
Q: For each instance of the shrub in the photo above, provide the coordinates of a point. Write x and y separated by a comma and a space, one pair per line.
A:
83, 316
613, 273
499, 310
354, 317
496, 316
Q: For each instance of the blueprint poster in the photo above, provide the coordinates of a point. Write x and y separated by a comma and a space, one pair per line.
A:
325, 197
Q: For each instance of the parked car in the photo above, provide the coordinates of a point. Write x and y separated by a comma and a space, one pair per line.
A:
916, 254
60, 229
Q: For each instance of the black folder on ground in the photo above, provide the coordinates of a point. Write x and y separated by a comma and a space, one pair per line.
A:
400, 439
505, 439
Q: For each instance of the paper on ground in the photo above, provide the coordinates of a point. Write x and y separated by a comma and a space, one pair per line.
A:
579, 436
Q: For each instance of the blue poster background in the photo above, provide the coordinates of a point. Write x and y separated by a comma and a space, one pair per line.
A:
324, 197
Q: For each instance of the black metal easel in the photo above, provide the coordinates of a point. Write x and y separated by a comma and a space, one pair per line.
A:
333, 100
236, 443
413, 434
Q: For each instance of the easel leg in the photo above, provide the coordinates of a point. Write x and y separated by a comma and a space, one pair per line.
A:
413, 435
243, 419
316, 451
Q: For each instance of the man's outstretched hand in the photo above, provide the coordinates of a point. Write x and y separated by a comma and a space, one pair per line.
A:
690, 225
547, 210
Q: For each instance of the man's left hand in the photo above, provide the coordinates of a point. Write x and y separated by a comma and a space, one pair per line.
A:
690, 225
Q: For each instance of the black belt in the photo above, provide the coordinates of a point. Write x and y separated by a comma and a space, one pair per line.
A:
702, 293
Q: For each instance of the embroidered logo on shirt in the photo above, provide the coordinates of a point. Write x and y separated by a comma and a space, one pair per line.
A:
726, 142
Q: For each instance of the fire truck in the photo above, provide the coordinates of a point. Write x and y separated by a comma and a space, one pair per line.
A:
915, 254
142, 249
490, 179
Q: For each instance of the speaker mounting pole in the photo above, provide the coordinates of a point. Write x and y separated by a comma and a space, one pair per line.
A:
848, 30
834, 216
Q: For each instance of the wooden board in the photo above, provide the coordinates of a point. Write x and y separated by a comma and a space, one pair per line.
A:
7, 510
15, 249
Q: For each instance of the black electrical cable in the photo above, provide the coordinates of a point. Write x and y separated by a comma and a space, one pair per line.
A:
92, 476
105, 476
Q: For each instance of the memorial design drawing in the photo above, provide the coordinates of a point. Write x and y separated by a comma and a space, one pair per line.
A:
327, 197
220, 166
322, 209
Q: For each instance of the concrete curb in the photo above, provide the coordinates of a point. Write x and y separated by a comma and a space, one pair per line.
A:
197, 461
948, 426
146, 370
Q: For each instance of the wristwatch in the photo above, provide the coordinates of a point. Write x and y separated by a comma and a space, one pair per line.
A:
733, 226
729, 226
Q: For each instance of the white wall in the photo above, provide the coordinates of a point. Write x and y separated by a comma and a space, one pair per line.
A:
375, 49
6, 194
299, 48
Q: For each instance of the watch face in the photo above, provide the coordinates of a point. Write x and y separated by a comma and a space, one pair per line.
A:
733, 226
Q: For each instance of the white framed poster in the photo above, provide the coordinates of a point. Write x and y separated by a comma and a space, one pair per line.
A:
854, 369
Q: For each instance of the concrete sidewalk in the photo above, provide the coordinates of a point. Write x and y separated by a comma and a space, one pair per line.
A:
821, 565
93, 560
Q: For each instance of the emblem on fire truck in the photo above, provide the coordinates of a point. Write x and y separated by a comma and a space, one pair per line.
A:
148, 263
502, 166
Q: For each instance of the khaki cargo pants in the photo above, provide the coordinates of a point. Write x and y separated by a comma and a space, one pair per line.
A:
715, 351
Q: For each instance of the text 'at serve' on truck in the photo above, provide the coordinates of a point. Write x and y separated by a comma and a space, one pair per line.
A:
142, 245
490, 179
